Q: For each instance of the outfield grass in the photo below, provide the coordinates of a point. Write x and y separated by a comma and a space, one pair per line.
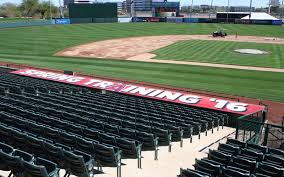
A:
36, 45
223, 52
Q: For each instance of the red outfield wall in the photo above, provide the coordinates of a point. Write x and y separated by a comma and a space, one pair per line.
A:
146, 91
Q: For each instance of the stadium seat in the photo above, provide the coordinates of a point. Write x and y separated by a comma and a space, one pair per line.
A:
16, 160
236, 142
227, 148
34, 145
274, 159
5, 150
219, 156
269, 170
243, 163
78, 163
207, 167
254, 155
257, 147
130, 149
192, 173
108, 156
277, 152
54, 154
40, 168
234, 172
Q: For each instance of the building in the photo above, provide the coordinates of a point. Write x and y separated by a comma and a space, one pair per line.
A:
124, 6
142, 5
119, 8
154, 8
274, 3
241, 9
165, 9
67, 2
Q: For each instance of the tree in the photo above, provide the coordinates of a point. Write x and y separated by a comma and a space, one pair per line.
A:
43, 9
9, 10
29, 7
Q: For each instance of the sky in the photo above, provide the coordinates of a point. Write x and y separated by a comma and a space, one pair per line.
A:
256, 3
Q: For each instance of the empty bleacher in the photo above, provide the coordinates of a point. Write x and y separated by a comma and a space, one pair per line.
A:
239, 159
76, 128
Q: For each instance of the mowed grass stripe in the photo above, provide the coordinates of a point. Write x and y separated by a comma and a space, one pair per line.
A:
222, 52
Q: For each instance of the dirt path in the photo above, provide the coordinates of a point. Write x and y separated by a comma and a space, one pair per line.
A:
146, 57
139, 48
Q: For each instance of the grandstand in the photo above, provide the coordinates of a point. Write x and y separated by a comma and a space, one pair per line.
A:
47, 126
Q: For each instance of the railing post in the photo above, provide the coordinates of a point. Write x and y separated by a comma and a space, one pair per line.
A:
237, 129
266, 134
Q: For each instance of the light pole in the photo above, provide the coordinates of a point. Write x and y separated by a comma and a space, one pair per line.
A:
191, 9
228, 11
282, 9
211, 6
250, 6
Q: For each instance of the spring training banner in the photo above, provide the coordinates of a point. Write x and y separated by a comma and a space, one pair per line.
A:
148, 92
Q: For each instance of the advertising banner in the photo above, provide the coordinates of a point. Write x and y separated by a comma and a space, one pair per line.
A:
145, 91
62, 21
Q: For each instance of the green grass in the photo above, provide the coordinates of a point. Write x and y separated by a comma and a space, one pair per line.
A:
36, 45
223, 52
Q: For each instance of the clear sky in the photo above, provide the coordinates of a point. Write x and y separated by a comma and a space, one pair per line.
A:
256, 3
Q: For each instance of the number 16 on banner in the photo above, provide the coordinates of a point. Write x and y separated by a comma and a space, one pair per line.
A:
221, 104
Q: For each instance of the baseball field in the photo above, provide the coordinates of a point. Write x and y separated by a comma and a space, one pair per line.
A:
37, 46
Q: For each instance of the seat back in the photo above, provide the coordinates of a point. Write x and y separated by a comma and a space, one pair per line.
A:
227, 148
54, 153
219, 156
274, 159
207, 167
270, 170
232, 171
244, 163
236, 142
129, 147
257, 148
105, 155
33, 170
75, 164
192, 173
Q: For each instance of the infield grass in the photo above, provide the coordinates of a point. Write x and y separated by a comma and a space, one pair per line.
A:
223, 52
36, 45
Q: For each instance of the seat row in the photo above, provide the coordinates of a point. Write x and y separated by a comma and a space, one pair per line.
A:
176, 108
23, 164
237, 158
78, 152
160, 130
149, 140
111, 108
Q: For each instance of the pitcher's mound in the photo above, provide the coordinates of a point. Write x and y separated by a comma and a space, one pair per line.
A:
251, 51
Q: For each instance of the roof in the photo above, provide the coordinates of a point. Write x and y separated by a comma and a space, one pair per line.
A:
246, 13
259, 16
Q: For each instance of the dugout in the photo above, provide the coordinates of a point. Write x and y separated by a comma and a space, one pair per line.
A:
93, 13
